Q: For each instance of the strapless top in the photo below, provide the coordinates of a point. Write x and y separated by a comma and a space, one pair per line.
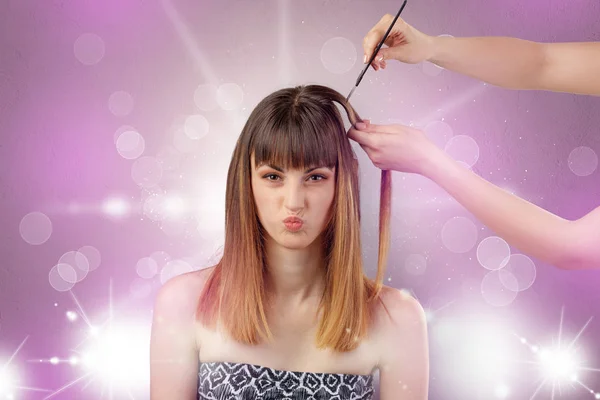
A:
239, 381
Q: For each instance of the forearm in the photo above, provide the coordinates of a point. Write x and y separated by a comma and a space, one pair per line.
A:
533, 230
501, 61
521, 64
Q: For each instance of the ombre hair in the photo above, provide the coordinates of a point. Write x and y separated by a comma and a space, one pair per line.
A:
296, 128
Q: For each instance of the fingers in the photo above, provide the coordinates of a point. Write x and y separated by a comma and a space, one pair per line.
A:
361, 137
375, 35
379, 61
373, 128
370, 42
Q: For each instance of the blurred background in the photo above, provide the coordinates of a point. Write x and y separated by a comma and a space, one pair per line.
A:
118, 120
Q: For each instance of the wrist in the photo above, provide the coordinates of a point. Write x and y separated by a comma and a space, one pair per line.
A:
437, 48
432, 46
437, 165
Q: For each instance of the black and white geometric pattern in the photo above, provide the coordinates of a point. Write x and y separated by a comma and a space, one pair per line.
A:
239, 381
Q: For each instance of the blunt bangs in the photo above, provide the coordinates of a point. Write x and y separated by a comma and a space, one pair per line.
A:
297, 133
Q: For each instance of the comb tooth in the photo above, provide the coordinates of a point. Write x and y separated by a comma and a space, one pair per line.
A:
352, 91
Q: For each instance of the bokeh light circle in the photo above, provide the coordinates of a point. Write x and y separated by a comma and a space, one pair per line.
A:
230, 96
459, 235
583, 161
439, 133
35, 228
146, 171
92, 255
493, 253
56, 280
519, 273
196, 127
494, 291
205, 97
78, 262
122, 129
146, 268
464, 149
338, 55
89, 49
415, 264
67, 273
120, 103
130, 145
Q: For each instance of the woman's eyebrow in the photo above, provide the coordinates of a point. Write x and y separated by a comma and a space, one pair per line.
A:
275, 167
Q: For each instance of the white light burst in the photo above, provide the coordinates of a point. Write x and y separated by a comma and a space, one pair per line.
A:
10, 380
114, 354
561, 363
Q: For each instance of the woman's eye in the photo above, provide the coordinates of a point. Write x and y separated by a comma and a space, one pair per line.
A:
318, 176
269, 175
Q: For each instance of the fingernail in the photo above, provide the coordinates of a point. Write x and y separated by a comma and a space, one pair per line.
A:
365, 59
380, 58
360, 125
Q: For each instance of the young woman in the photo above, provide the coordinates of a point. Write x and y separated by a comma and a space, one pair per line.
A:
288, 312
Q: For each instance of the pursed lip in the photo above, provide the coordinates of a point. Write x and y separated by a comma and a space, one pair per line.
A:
292, 219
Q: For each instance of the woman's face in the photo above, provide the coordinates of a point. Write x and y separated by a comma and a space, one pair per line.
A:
279, 194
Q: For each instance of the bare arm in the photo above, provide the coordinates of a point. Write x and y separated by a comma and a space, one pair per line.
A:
533, 230
502, 61
173, 351
404, 362
522, 64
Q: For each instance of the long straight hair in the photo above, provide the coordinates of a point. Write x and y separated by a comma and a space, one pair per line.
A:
296, 128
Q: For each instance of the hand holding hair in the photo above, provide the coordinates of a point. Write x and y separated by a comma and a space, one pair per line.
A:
563, 243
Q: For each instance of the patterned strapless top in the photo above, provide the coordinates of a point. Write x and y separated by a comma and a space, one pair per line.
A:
239, 381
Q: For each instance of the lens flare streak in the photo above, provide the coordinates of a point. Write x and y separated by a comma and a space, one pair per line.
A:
107, 356
8, 384
559, 364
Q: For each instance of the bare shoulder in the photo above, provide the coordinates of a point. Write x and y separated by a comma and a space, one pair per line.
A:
402, 346
398, 316
173, 344
178, 297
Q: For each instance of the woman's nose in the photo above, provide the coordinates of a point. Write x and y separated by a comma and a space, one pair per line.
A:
294, 196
